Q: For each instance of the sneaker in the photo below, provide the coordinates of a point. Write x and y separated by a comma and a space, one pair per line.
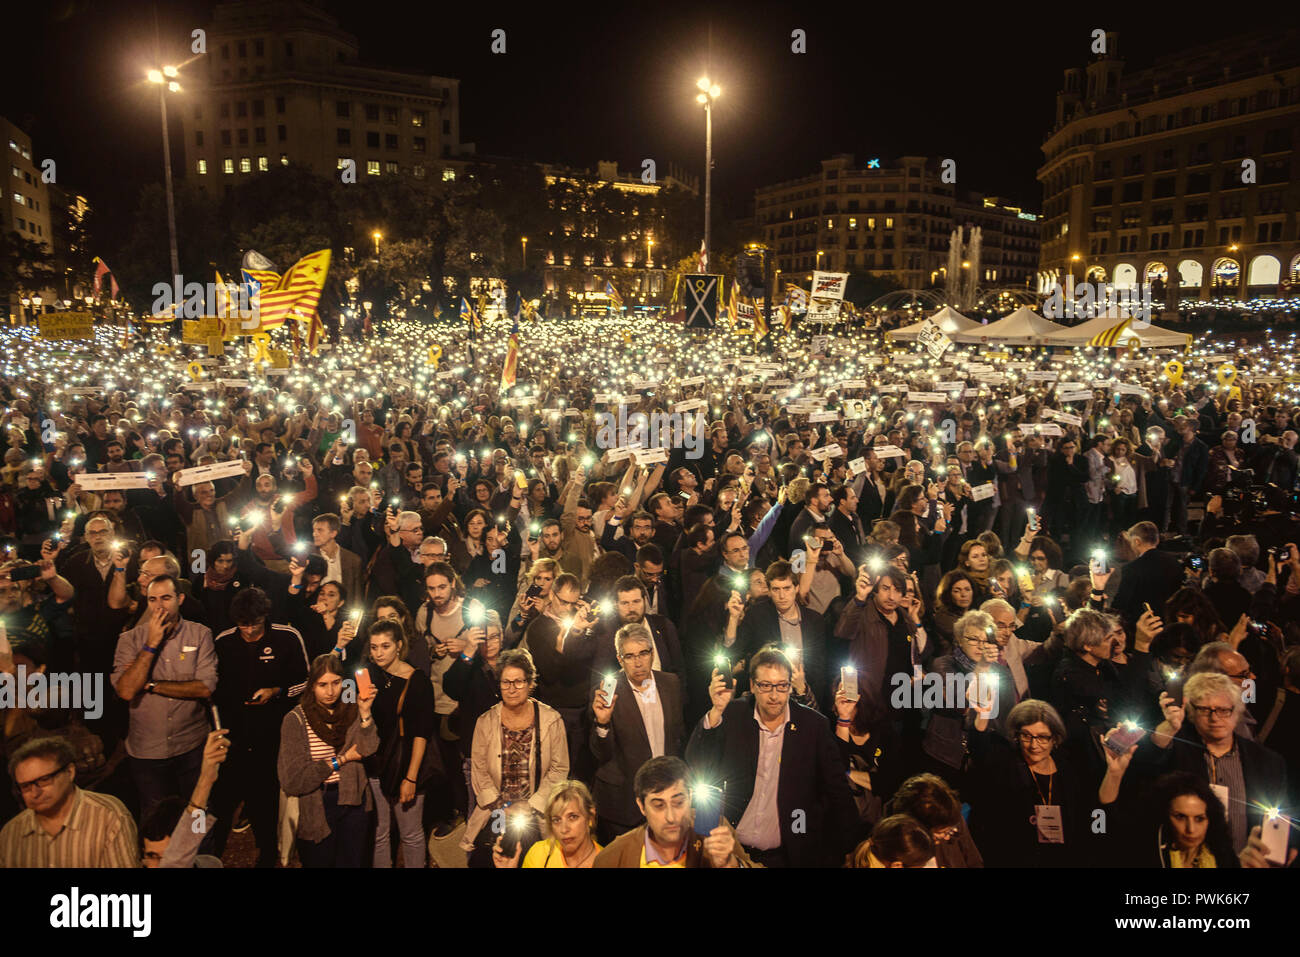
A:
444, 829
241, 822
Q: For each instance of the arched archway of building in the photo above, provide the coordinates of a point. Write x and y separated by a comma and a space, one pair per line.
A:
1191, 274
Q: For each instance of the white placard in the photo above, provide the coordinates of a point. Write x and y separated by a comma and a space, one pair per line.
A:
618, 455
1075, 395
1065, 417
1016, 401
828, 285
691, 405
954, 386
96, 481
234, 383
858, 466
573, 413
1036, 428
819, 342
979, 493
828, 416
603, 398
1041, 375
693, 380
924, 397
1067, 386
650, 456
780, 383
827, 452
209, 473
445, 374
345, 373
991, 378
891, 387
853, 384
1124, 389
889, 452
932, 337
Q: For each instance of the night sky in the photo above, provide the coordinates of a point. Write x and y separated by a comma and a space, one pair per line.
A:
618, 83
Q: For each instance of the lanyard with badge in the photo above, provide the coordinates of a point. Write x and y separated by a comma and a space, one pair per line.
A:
1047, 816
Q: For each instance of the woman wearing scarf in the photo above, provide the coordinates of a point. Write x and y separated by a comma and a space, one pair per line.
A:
217, 585
322, 743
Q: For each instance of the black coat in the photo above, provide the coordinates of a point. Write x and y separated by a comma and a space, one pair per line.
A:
819, 822
620, 754
666, 643
1149, 578
761, 626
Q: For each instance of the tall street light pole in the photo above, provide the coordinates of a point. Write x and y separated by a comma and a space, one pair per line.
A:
166, 81
708, 93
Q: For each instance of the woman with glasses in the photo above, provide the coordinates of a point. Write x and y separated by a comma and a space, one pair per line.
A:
570, 820
323, 742
1045, 560
1031, 806
969, 672
929, 799
520, 752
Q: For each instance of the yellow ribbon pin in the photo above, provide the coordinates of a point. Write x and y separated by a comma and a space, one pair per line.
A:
1174, 371
262, 341
435, 355
195, 370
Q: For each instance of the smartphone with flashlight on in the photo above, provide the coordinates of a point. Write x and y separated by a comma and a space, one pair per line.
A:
1274, 835
849, 682
722, 665
1098, 562
365, 687
1127, 735
607, 686
707, 800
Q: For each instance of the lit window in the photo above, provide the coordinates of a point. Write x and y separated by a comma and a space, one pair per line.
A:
853, 222
889, 222
417, 117
203, 167
342, 162
871, 222
830, 224
449, 175
20, 199
245, 164
262, 164
390, 167
372, 167
418, 170
227, 165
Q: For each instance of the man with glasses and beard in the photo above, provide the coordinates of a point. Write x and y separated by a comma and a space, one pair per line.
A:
784, 782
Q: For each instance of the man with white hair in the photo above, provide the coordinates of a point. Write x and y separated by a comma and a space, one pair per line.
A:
1248, 777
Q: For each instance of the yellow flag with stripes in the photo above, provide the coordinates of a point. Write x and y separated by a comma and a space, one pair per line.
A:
297, 293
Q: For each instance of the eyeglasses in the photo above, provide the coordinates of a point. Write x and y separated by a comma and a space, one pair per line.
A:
780, 687
636, 656
1027, 738
44, 781
1206, 712
514, 683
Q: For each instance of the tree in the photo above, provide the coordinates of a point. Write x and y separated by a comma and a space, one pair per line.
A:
26, 267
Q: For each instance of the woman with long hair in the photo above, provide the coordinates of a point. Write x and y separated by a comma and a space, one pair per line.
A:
399, 771
392, 608
954, 597
322, 744
868, 745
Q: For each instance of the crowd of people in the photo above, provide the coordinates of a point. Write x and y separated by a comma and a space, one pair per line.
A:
424, 611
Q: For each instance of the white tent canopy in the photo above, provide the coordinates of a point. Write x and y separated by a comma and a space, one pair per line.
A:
1150, 337
1024, 327
948, 320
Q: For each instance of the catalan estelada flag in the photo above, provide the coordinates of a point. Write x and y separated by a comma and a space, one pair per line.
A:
469, 315
1109, 337
101, 270
511, 366
613, 294
298, 292
787, 318
760, 323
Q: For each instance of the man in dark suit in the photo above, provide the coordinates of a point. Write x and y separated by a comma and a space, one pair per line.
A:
630, 609
778, 619
782, 778
343, 566
1150, 578
642, 721
1191, 463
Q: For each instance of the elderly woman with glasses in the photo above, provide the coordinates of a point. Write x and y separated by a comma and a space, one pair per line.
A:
1031, 805
520, 752
968, 673
1248, 777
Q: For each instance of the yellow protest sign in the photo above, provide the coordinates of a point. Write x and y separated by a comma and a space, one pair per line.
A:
197, 332
279, 358
67, 325
216, 347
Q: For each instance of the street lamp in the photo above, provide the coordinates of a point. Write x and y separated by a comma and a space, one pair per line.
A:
709, 92
376, 236
523, 242
819, 258
165, 79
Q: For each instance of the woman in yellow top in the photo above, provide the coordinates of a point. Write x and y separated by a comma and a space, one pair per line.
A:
571, 822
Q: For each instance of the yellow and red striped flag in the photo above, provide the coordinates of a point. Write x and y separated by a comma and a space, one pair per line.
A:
511, 367
296, 294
